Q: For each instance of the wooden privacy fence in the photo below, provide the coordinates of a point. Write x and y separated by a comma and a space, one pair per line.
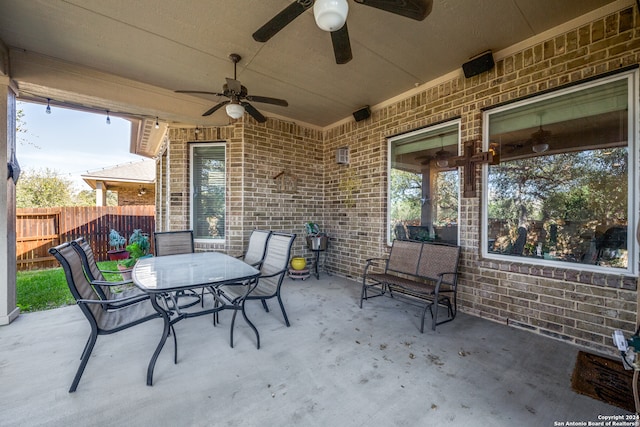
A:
39, 229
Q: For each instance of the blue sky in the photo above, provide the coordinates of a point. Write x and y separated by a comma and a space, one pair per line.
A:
72, 142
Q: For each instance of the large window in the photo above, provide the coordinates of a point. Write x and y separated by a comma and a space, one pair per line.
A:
423, 188
208, 190
563, 192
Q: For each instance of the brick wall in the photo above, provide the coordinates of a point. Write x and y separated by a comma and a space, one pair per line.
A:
582, 308
256, 154
131, 197
349, 201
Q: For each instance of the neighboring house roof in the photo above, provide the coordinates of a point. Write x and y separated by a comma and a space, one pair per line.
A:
143, 172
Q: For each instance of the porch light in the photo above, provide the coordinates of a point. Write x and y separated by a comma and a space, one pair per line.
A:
330, 14
234, 110
48, 110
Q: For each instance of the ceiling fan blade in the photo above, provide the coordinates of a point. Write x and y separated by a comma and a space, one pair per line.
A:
414, 9
234, 85
281, 20
267, 100
215, 108
199, 92
341, 45
253, 112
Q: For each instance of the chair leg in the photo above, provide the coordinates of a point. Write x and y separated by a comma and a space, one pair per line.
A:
264, 304
85, 358
284, 313
364, 295
363, 292
453, 307
233, 321
216, 303
175, 345
424, 313
86, 345
250, 323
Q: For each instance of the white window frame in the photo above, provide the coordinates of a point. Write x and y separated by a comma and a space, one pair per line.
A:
633, 185
192, 188
412, 134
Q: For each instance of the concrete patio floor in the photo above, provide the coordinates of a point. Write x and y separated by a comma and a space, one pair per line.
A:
337, 365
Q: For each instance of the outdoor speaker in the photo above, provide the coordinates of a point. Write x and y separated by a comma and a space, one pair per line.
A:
478, 65
361, 114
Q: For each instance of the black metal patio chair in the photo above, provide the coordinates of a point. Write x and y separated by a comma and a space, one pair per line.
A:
257, 248
102, 286
273, 271
269, 284
104, 319
173, 242
176, 243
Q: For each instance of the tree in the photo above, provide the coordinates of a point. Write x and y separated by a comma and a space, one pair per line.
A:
21, 129
88, 198
406, 190
573, 195
446, 197
43, 189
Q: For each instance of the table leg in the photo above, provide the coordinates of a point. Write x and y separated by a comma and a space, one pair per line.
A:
163, 339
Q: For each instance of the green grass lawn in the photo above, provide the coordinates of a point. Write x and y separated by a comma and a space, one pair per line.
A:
46, 289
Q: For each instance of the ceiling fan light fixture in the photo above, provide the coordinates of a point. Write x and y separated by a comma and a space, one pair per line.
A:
330, 15
442, 159
540, 140
234, 110
442, 163
540, 148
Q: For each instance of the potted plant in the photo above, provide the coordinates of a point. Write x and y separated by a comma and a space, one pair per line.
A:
316, 240
116, 243
137, 248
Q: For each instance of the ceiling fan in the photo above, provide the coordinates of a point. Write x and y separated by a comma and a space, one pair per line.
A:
237, 94
331, 15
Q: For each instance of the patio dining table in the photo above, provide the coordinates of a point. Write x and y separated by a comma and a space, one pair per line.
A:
163, 276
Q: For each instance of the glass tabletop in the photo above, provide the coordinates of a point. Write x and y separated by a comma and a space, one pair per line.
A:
186, 271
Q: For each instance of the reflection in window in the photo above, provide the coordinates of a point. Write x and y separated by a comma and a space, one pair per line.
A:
208, 191
560, 193
423, 189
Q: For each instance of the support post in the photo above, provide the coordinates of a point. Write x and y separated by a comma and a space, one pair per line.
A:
8, 307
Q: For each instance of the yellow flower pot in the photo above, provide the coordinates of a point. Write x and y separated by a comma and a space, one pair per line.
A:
298, 263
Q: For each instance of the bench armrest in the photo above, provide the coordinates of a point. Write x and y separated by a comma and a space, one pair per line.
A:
373, 261
439, 282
